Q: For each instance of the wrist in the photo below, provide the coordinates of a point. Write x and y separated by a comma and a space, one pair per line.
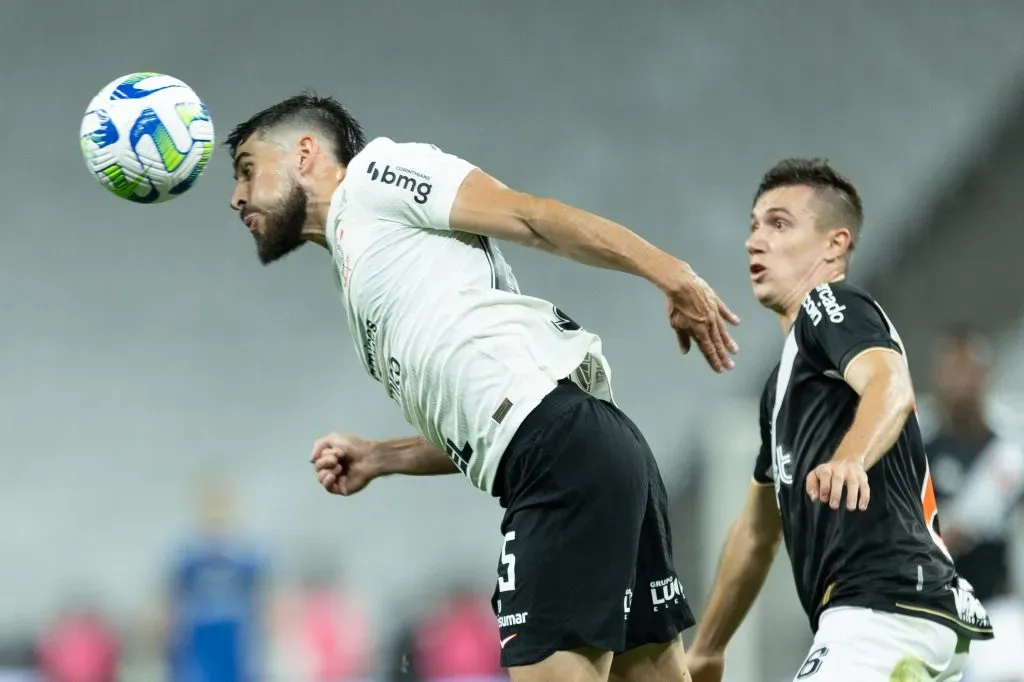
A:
671, 275
706, 649
378, 461
852, 457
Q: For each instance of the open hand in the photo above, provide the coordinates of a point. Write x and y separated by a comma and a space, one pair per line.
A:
698, 315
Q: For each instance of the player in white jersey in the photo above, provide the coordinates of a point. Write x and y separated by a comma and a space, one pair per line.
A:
503, 387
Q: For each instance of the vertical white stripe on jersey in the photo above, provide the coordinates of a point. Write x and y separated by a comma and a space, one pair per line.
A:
789, 352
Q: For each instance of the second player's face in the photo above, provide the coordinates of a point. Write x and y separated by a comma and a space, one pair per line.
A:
269, 199
959, 377
785, 246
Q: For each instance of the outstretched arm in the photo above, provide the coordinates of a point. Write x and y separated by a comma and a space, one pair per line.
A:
410, 456
418, 185
486, 207
345, 464
742, 569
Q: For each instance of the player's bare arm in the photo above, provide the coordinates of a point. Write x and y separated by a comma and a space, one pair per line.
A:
881, 378
346, 464
487, 207
743, 567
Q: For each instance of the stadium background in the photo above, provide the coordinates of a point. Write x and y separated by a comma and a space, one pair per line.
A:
146, 353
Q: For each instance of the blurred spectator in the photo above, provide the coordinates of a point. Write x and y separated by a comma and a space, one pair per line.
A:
978, 475
458, 639
79, 646
323, 630
215, 629
400, 663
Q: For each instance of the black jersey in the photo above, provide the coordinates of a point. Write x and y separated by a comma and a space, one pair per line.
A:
889, 557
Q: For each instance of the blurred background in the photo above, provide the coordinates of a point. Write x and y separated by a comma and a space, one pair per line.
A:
160, 390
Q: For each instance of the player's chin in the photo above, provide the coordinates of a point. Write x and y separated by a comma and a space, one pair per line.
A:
764, 294
270, 251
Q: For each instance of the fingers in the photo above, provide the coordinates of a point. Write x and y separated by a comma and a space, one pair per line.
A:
819, 484
328, 441
731, 317
836, 486
865, 491
684, 341
826, 484
707, 347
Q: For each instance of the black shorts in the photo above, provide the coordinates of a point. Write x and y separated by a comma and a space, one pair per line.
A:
587, 553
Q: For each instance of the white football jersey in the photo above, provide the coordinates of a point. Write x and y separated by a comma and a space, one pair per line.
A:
436, 314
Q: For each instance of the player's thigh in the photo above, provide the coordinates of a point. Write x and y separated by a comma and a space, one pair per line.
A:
584, 665
861, 645
570, 540
664, 662
658, 610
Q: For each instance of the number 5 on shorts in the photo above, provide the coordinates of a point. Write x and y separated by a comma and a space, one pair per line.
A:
508, 560
812, 664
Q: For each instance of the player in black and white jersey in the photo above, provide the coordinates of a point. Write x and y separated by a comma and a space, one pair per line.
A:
503, 387
842, 474
978, 469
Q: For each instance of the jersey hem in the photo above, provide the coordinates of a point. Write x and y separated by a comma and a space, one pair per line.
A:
937, 616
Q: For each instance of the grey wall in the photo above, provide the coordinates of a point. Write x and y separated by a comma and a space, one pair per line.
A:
144, 346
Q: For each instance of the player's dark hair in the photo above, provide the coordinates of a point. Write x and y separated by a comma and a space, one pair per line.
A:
325, 114
965, 337
830, 187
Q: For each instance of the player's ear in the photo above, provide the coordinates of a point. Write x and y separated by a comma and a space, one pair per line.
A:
308, 149
839, 242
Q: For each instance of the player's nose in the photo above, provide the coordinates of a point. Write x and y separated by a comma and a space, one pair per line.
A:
755, 243
238, 198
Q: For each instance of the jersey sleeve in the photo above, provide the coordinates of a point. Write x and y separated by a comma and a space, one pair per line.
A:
410, 183
838, 323
763, 467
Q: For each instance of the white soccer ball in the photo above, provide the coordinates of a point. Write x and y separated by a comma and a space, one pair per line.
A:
147, 137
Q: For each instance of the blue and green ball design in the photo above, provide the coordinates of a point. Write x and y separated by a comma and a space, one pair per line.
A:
147, 137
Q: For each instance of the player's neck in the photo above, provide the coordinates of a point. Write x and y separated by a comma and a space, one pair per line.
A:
966, 425
827, 273
319, 206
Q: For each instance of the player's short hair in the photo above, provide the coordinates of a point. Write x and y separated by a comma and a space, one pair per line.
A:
961, 336
325, 114
831, 188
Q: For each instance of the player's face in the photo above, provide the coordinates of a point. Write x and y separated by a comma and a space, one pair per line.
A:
786, 248
269, 199
959, 377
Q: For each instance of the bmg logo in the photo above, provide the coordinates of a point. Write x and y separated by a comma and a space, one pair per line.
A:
403, 178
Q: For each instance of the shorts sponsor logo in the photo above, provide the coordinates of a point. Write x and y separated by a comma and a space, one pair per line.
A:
627, 602
513, 619
666, 592
402, 178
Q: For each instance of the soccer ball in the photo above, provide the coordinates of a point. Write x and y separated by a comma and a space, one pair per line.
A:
147, 137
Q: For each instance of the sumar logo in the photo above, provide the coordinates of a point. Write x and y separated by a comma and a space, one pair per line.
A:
402, 178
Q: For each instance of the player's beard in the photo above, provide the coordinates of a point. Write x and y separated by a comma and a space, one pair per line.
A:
282, 226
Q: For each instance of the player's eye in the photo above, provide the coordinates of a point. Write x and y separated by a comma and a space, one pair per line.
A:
779, 224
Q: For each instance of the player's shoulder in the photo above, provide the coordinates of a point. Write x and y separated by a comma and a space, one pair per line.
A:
385, 150
834, 302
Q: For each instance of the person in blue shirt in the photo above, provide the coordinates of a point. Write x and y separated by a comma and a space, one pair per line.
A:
216, 611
